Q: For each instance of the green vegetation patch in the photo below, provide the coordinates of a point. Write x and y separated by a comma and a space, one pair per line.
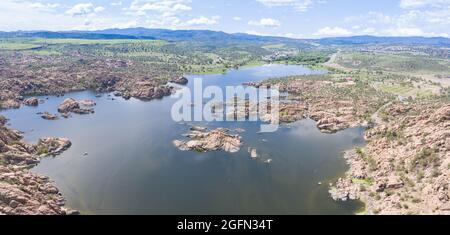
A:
393, 63
308, 58
367, 182
407, 90
17, 45
74, 41
367, 158
428, 157
274, 46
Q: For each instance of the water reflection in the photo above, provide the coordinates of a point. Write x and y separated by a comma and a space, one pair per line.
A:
133, 168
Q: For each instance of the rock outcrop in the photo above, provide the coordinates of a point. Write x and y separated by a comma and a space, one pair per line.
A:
10, 104
405, 167
21, 191
253, 153
204, 141
180, 80
52, 146
71, 105
31, 102
26, 74
68, 106
87, 103
49, 116
325, 101
148, 91
26, 193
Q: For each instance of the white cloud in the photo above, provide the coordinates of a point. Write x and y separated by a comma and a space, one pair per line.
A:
288, 35
430, 21
43, 7
300, 5
99, 9
371, 17
162, 13
129, 24
369, 31
167, 7
24, 15
118, 3
413, 17
266, 22
82, 9
332, 32
293, 35
203, 21
423, 3
404, 32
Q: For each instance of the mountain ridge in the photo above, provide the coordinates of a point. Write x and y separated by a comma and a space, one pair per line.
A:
219, 36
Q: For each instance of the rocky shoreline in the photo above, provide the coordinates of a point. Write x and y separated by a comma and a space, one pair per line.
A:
334, 104
405, 167
126, 78
21, 191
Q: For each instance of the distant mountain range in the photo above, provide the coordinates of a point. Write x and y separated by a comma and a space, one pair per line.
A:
77, 35
384, 40
221, 37
193, 35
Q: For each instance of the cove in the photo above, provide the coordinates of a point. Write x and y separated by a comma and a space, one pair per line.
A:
132, 166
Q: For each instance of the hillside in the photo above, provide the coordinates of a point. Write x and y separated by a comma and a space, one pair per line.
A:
437, 41
208, 36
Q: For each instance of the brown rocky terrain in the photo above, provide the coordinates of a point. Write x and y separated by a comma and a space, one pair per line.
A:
180, 80
335, 105
405, 167
26, 75
48, 116
71, 105
31, 102
21, 191
203, 141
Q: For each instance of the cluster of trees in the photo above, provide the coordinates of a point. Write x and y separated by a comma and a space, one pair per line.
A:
309, 58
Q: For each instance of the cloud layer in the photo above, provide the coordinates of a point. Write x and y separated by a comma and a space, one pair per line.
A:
293, 18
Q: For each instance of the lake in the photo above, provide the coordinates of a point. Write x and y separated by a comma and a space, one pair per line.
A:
132, 167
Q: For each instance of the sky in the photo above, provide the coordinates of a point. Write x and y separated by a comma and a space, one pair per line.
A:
287, 18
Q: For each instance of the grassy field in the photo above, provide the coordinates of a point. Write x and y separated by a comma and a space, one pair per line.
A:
17, 45
404, 75
274, 46
43, 52
185, 57
97, 41
407, 91
394, 63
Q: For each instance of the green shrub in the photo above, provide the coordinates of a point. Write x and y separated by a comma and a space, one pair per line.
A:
425, 158
42, 150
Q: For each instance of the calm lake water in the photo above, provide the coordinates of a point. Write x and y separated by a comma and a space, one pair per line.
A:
132, 166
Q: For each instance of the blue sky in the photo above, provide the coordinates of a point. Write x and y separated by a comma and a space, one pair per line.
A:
290, 18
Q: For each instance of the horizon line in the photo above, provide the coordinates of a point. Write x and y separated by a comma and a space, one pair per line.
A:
219, 31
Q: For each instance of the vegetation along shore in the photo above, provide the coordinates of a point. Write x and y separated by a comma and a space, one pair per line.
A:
399, 92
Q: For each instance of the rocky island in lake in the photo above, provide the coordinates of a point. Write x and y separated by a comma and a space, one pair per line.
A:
199, 139
98, 119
